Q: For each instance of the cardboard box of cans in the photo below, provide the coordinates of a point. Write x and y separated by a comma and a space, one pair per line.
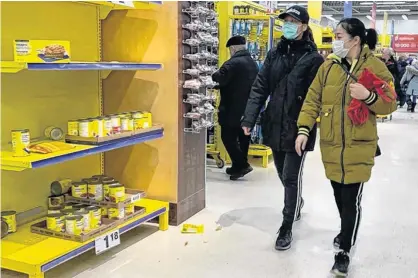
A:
114, 124
106, 225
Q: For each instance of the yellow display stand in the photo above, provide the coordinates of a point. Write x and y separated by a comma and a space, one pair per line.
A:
39, 95
35, 254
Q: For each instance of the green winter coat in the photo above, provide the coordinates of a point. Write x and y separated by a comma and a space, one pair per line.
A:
348, 151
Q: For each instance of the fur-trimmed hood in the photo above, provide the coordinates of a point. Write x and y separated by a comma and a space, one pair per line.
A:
412, 70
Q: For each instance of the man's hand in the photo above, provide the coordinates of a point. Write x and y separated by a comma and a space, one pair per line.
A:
358, 91
300, 143
247, 130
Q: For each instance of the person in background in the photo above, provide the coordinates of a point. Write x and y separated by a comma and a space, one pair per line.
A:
392, 65
348, 150
235, 79
402, 64
285, 77
410, 80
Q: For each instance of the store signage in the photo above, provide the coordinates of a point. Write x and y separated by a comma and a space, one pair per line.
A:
405, 43
107, 241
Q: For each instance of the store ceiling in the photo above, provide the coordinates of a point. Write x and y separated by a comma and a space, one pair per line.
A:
362, 8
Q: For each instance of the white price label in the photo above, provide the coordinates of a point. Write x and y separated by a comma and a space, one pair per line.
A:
124, 3
135, 198
107, 241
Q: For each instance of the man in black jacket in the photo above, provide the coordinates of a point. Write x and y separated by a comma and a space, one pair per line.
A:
285, 77
392, 65
235, 79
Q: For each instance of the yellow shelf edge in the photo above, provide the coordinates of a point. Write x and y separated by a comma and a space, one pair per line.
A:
12, 67
250, 17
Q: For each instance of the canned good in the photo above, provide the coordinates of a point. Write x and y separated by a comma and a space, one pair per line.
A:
107, 124
4, 228
74, 225
69, 205
95, 216
72, 127
147, 120
104, 211
68, 212
101, 177
86, 219
55, 222
107, 183
115, 124
20, 142
55, 210
85, 128
116, 213
79, 189
117, 193
10, 218
54, 133
61, 187
79, 207
95, 190
98, 127
126, 123
137, 117
130, 209
55, 202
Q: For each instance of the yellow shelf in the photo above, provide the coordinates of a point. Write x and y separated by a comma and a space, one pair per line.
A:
250, 17
35, 254
34, 160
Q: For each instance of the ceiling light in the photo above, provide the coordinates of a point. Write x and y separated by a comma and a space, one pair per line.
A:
394, 10
404, 17
369, 17
382, 3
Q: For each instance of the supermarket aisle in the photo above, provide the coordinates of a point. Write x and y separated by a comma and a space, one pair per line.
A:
249, 212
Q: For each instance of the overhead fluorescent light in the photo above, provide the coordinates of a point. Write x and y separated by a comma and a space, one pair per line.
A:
281, 4
382, 3
369, 17
404, 17
394, 10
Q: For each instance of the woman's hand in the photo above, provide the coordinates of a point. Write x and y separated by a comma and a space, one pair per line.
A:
247, 130
359, 92
300, 143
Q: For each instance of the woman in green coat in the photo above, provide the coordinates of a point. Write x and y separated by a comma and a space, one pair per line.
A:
348, 150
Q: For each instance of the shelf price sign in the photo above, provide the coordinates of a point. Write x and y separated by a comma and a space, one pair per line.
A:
107, 241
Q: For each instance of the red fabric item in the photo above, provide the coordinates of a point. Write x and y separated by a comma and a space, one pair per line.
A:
358, 111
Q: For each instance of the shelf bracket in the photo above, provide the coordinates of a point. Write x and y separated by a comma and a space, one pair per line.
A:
105, 74
104, 11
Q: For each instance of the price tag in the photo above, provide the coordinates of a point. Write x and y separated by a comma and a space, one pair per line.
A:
107, 241
135, 198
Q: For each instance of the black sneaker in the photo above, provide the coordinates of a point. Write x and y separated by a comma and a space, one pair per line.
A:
337, 241
300, 211
241, 173
340, 267
284, 240
230, 170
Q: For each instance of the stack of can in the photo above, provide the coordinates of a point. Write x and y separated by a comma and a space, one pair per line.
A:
110, 125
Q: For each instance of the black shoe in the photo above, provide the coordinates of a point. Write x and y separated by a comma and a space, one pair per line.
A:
299, 214
413, 107
284, 240
340, 267
230, 170
241, 173
337, 241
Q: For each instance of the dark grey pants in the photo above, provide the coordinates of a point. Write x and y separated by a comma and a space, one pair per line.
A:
289, 166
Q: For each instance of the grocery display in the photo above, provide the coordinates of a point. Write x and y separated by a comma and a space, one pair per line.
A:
200, 55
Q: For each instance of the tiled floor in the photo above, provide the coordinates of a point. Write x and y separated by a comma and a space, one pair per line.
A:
250, 213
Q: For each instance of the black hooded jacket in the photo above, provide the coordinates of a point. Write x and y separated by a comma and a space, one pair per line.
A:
235, 78
286, 75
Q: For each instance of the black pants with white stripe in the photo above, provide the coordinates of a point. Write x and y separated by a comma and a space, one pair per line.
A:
289, 166
348, 199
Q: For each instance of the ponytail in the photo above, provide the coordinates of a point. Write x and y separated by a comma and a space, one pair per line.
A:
354, 27
371, 38
309, 35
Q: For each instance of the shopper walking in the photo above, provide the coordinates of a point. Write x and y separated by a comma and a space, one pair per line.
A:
235, 79
410, 80
348, 150
285, 77
388, 56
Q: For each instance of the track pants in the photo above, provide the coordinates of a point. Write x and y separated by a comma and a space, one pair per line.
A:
289, 166
348, 199
236, 144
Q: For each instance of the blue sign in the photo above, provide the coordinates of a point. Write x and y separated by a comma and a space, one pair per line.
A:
348, 9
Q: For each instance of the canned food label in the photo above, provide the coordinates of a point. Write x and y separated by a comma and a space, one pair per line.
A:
95, 192
79, 191
72, 128
108, 127
85, 129
95, 218
11, 222
98, 128
116, 213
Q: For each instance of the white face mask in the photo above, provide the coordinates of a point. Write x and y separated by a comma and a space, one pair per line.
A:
338, 48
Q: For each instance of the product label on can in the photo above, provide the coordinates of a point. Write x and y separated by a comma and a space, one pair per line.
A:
85, 129
72, 128
95, 192
98, 128
20, 141
116, 213
95, 218
108, 127
79, 190
117, 194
